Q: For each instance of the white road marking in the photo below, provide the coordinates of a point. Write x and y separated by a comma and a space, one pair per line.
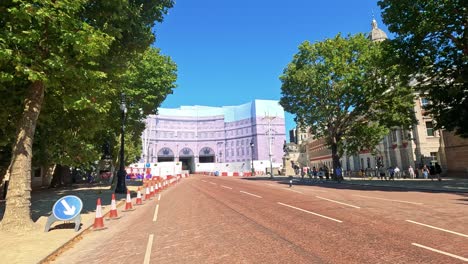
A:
309, 212
400, 201
226, 187
212, 183
445, 230
148, 249
251, 194
350, 205
272, 184
203, 180
440, 251
289, 189
155, 217
159, 197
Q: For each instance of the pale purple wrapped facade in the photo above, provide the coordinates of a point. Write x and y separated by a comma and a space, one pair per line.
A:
202, 134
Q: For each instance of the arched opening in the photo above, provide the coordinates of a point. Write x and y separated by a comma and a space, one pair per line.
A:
165, 154
207, 155
187, 158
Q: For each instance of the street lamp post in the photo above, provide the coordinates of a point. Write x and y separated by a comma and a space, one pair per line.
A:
251, 152
121, 174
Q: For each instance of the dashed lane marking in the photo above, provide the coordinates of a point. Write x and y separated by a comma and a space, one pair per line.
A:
212, 183
438, 228
400, 201
155, 216
289, 189
333, 201
159, 197
440, 251
227, 187
309, 212
148, 249
251, 194
203, 180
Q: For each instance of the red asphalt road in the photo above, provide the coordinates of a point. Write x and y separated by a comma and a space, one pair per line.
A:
206, 219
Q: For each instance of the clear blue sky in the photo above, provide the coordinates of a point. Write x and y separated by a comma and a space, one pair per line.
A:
232, 52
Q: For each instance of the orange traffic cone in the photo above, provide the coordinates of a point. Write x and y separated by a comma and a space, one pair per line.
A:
138, 199
98, 221
147, 193
113, 212
151, 189
128, 202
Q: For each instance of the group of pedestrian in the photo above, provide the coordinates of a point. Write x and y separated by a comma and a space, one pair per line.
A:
315, 174
432, 171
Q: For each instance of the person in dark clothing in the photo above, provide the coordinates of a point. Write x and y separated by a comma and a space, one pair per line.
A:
438, 171
432, 172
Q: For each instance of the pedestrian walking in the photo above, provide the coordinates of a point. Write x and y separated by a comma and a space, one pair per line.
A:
391, 173
432, 172
321, 173
438, 171
327, 172
411, 172
425, 172
290, 181
396, 171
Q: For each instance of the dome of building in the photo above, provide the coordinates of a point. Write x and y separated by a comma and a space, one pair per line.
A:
376, 33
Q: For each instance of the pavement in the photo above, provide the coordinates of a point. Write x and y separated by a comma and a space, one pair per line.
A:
38, 246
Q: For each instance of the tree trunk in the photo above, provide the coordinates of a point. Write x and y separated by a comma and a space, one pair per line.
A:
336, 162
17, 217
49, 172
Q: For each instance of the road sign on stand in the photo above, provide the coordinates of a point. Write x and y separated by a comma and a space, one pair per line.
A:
67, 208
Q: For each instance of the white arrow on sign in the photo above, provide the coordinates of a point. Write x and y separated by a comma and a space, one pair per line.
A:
69, 210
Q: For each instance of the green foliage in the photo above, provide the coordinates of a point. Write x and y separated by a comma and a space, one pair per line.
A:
88, 53
431, 45
343, 91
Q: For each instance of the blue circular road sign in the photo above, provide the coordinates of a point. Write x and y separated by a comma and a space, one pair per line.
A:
67, 207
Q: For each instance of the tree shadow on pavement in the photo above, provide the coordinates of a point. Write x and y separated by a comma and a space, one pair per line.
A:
43, 200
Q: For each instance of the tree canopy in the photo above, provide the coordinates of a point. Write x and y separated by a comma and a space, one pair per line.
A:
70, 61
431, 45
342, 90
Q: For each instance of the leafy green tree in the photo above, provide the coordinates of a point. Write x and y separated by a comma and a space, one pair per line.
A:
431, 45
343, 92
68, 49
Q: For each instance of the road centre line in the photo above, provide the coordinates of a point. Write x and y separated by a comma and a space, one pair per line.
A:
350, 205
438, 228
251, 194
148, 249
400, 201
309, 212
155, 216
212, 183
289, 189
159, 197
203, 180
226, 187
440, 251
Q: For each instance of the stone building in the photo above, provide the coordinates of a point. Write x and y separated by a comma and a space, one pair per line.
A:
203, 134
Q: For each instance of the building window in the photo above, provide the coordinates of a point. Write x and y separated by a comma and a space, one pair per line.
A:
433, 156
430, 128
368, 163
362, 163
